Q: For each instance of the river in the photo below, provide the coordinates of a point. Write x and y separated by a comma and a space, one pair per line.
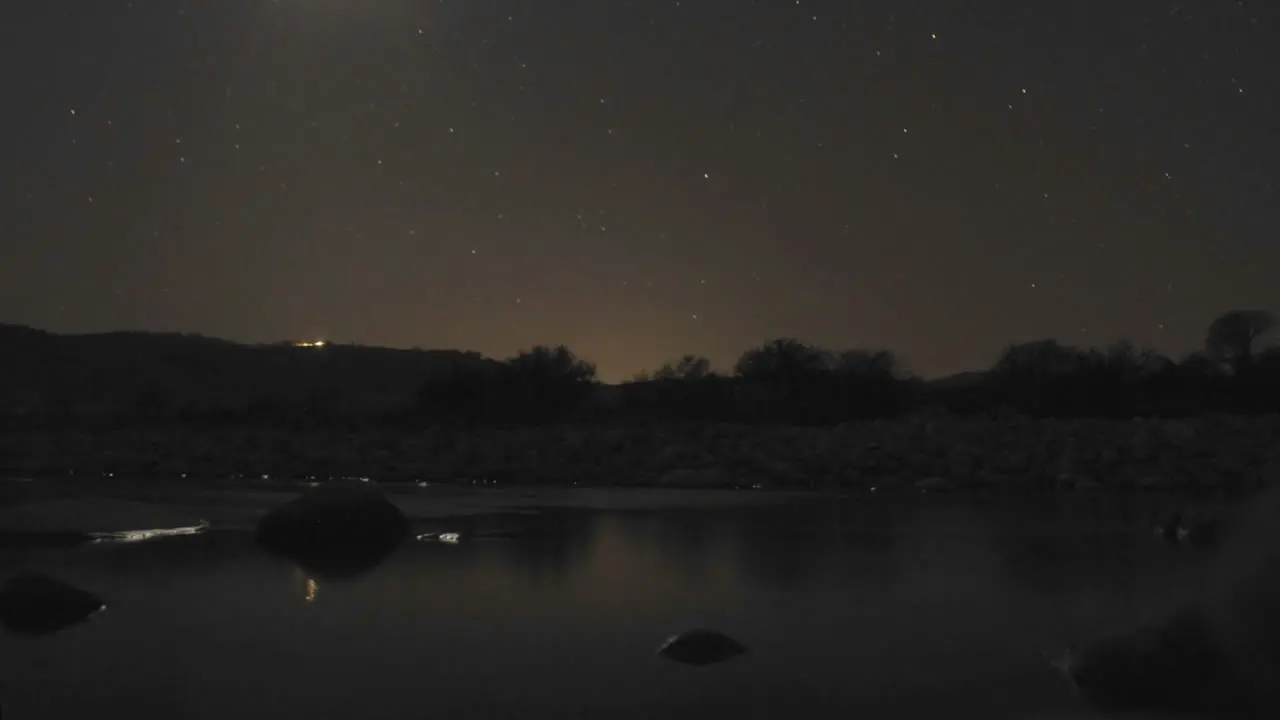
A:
927, 608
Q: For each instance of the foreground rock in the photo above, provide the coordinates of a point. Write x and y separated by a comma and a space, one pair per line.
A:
340, 530
1244, 595
1177, 667
1219, 658
34, 604
701, 647
84, 519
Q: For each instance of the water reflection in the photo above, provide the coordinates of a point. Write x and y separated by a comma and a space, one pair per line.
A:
546, 546
902, 611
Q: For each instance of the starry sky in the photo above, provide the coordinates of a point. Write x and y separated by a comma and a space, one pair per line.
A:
642, 179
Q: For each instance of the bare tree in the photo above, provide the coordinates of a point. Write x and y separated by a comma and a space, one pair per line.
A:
1230, 340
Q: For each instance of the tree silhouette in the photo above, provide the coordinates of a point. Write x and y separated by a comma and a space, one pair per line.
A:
1123, 362
1038, 361
689, 367
1230, 340
547, 382
782, 361
878, 364
552, 366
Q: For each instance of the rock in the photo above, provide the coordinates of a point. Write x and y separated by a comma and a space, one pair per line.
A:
335, 530
1244, 592
82, 519
34, 604
1177, 667
701, 647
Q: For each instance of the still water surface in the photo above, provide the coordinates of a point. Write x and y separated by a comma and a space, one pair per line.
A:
928, 609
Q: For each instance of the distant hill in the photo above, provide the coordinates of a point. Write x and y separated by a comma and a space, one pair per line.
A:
107, 373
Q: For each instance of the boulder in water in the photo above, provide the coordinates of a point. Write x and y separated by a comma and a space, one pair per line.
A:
1177, 667
35, 604
701, 647
338, 530
1243, 592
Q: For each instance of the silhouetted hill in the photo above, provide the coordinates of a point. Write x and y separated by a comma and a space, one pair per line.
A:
958, 381
166, 373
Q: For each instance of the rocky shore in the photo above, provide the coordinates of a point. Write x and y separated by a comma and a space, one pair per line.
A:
940, 452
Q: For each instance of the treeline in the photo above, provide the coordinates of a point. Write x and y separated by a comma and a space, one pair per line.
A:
787, 381
115, 380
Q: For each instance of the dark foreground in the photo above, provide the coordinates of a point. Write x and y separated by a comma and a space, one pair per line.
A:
934, 608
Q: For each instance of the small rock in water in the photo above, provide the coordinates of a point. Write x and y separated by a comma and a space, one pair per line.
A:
701, 647
34, 604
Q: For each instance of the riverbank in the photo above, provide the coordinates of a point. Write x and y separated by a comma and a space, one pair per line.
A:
1209, 453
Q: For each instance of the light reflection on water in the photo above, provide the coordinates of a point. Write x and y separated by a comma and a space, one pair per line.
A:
889, 612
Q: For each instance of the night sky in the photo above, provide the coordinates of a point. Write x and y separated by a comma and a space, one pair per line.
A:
639, 180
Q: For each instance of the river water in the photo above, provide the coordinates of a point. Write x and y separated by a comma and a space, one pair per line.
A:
927, 608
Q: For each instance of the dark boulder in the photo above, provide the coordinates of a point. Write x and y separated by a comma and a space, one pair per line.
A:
1177, 667
701, 647
335, 531
34, 604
